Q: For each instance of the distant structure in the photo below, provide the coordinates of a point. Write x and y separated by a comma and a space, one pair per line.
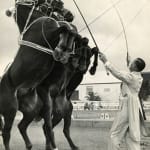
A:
109, 93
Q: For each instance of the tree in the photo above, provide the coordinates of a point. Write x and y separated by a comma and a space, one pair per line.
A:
93, 97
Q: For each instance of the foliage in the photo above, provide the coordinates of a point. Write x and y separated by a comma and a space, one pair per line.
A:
93, 97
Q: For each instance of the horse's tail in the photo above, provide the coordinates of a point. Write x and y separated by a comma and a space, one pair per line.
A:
95, 63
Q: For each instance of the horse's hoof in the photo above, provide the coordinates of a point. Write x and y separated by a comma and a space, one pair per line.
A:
75, 148
29, 147
48, 148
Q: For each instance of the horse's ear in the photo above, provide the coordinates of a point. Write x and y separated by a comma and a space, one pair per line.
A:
95, 63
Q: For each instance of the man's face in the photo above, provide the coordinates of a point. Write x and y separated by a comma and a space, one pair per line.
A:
132, 66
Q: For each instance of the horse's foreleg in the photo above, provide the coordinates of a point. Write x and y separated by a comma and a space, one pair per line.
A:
8, 107
47, 116
49, 134
23, 125
66, 130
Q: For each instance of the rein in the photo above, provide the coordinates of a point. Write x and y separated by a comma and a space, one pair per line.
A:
36, 46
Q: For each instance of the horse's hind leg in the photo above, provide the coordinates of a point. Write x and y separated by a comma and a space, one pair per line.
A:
8, 121
23, 125
66, 130
8, 107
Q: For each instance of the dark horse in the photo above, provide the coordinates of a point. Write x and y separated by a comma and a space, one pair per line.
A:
31, 66
56, 86
77, 77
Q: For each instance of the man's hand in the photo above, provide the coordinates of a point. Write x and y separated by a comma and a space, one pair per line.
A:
103, 58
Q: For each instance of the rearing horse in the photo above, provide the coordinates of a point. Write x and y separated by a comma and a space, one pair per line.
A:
31, 66
66, 111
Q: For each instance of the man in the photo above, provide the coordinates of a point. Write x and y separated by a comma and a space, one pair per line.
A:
128, 124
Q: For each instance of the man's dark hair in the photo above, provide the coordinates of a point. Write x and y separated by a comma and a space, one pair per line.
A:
140, 64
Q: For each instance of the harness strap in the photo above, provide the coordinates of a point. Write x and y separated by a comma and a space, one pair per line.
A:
26, 2
28, 19
36, 46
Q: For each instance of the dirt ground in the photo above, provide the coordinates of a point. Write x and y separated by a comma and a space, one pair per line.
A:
85, 137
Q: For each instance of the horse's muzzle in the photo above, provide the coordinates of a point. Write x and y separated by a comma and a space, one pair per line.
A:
61, 56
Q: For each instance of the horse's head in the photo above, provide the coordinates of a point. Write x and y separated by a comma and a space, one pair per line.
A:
64, 48
84, 53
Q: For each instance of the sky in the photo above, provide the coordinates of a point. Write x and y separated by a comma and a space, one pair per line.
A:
107, 31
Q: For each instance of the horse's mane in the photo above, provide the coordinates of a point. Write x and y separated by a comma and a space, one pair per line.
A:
95, 63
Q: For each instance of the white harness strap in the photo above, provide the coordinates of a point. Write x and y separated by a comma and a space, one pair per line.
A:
36, 46
26, 2
28, 19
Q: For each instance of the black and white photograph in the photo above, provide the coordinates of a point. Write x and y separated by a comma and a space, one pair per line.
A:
74, 75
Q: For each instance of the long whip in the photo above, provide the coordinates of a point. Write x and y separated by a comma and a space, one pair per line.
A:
86, 24
89, 30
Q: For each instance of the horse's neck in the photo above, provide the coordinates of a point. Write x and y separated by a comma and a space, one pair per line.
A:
69, 72
61, 75
23, 14
74, 83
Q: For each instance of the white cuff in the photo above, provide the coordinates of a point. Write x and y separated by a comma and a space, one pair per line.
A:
107, 63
